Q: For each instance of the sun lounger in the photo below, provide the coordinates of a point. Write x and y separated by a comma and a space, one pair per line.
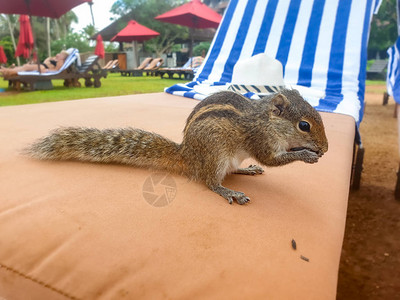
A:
70, 72
106, 66
137, 71
112, 65
31, 78
377, 69
91, 71
153, 66
73, 230
149, 68
145, 63
187, 71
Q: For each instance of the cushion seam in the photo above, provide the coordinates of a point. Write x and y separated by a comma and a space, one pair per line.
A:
37, 281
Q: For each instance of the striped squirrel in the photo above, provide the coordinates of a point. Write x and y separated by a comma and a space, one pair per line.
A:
222, 131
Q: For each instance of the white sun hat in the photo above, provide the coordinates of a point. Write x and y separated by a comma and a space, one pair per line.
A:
258, 76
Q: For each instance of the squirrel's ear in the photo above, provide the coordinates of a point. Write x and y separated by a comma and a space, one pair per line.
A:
278, 104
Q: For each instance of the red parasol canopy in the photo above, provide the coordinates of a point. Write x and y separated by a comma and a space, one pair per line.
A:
25, 42
40, 8
3, 57
99, 50
193, 14
134, 32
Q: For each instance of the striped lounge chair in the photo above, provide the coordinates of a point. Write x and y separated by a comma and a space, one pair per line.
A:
72, 230
321, 44
393, 83
71, 71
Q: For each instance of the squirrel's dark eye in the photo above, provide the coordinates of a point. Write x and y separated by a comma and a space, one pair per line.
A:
304, 126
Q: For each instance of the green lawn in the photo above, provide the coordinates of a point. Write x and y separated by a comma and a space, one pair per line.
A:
113, 85
376, 86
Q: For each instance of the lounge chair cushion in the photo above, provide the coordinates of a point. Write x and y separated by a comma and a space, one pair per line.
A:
72, 230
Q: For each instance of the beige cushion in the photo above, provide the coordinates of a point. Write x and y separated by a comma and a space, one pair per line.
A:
86, 231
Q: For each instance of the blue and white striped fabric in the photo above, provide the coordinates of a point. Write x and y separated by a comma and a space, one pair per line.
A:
72, 57
322, 44
393, 71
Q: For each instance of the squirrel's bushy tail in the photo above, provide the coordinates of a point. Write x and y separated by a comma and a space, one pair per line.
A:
126, 146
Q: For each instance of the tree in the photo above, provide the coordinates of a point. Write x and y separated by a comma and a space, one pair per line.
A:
201, 48
8, 49
75, 40
383, 29
144, 11
89, 30
65, 22
213, 3
48, 37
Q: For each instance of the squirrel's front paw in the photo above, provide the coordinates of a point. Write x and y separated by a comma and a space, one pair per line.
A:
230, 195
310, 157
250, 170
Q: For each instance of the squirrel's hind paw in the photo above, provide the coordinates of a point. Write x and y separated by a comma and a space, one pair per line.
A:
240, 198
231, 195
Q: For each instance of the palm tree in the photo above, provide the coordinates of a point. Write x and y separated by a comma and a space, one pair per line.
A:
89, 30
63, 24
48, 37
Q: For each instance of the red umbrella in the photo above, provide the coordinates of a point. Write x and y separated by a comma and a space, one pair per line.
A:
99, 50
25, 42
40, 8
193, 14
3, 57
134, 32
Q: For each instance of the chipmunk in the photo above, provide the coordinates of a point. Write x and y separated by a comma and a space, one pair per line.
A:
222, 131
